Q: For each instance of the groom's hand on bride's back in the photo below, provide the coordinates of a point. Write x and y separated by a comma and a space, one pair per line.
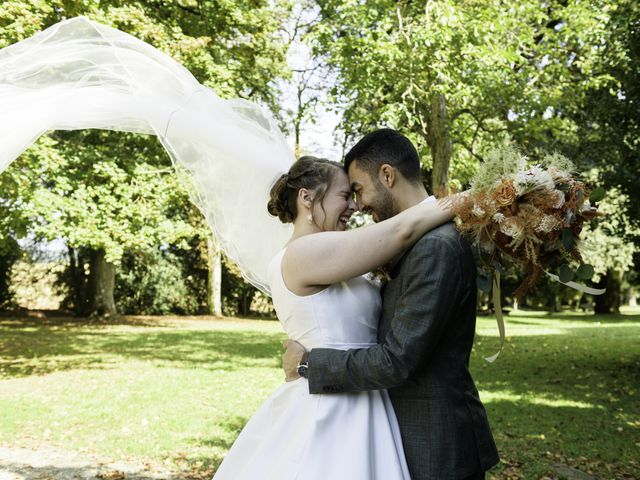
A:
291, 358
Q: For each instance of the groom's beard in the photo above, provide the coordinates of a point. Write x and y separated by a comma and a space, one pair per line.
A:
384, 206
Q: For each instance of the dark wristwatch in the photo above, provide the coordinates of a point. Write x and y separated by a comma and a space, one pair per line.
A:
303, 366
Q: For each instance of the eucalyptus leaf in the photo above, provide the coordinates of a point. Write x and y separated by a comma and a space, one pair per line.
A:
597, 195
567, 239
566, 274
484, 283
585, 271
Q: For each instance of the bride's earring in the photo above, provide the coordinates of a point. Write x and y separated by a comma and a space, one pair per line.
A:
309, 204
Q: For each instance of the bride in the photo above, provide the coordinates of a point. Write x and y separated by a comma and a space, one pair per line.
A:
79, 74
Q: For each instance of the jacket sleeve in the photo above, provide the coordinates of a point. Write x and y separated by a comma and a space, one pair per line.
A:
431, 285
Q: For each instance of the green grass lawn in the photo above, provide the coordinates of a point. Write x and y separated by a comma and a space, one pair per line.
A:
564, 390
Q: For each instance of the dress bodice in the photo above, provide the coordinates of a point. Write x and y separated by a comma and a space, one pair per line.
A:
343, 315
356, 433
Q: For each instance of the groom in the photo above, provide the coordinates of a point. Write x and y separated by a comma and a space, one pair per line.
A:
426, 331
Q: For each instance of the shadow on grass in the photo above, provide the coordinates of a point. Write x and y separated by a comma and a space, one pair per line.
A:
535, 317
537, 436
33, 348
561, 364
233, 426
570, 394
601, 318
201, 461
21, 471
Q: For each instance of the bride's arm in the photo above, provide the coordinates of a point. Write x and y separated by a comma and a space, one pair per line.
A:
330, 257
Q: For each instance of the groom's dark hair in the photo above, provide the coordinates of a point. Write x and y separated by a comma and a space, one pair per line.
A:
386, 146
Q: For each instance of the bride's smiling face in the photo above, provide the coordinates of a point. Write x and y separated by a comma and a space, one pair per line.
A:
337, 206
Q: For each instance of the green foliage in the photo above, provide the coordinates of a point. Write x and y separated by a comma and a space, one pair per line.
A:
99, 190
104, 190
9, 255
118, 192
606, 133
159, 282
232, 46
557, 77
606, 242
566, 274
597, 195
504, 68
237, 294
585, 272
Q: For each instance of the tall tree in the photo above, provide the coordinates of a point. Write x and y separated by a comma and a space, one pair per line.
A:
597, 123
609, 120
214, 284
459, 77
607, 248
304, 93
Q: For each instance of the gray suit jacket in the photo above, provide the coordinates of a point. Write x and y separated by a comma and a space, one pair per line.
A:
425, 334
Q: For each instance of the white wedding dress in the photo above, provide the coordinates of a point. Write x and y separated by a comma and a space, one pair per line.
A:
296, 435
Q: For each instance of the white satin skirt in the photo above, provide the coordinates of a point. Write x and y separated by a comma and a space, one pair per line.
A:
296, 435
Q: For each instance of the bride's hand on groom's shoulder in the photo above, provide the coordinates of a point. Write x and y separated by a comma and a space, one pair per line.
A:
291, 358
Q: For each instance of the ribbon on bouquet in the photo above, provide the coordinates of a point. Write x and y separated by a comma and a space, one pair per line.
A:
578, 286
497, 304
497, 307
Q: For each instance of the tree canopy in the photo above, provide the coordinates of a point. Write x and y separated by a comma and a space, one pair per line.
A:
458, 77
110, 192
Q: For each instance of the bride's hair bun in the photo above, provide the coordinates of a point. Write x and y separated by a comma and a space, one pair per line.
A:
308, 172
278, 203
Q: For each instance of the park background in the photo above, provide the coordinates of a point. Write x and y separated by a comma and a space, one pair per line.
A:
126, 332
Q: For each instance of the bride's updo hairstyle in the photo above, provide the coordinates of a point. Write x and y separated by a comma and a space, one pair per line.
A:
314, 174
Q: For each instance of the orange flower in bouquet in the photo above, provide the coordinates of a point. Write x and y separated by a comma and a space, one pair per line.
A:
505, 193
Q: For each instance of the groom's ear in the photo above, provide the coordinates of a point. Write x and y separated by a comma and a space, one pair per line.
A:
387, 175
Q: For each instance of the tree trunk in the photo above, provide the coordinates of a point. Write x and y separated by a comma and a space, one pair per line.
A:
440, 143
102, 276
297, 136
609, 301
297, 121
214, 284
77, 280
483, 302
553, 302
244, 301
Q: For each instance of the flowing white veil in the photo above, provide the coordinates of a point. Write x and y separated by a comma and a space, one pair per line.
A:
79, 74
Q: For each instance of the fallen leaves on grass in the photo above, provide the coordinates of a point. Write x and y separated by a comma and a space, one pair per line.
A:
112, 475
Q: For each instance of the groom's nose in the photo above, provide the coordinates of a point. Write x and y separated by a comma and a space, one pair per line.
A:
358, 201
